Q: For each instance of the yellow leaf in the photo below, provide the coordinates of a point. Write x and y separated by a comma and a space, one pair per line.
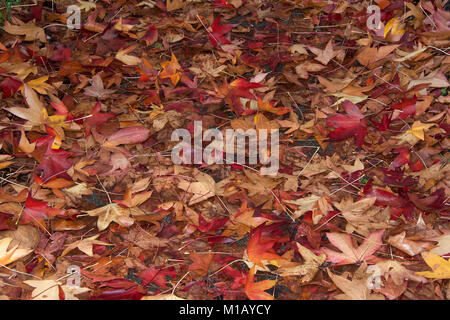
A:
87, 6
418, 129
40, 86
394, 27
440, 266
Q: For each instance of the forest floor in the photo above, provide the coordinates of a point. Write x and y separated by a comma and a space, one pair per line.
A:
96, 204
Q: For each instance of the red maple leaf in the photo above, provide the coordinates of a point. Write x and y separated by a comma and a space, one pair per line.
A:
214, 224
406, 106
260, 249
349, 125
151, 35
384, 124
157, 275
55, 163
36, 211
402, 159
218, 31
384, 198
239, 88
10, 86
239, 277
256, 290
350, 254
96, 118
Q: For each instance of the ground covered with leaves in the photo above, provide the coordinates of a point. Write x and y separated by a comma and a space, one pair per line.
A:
358, 209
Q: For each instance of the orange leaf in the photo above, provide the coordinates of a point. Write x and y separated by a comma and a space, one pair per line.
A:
201, 263
258, 250
58, 183
255, 290
171, 70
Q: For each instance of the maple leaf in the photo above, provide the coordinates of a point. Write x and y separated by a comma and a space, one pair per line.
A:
130, 200
41, 86
217, 32
171, 70
222, 4
256, 290
324, 56
151, 35
157, 275
259, 249
408, 246
362, 216
55, 163
30, 31
351, 125
86, 5
384, 198
201, 262
203, 189
97, 90
36, 113
245, 216
96, 118
440, 266
355, 289
398, 272
402, 159
239, 88
36, 211
368, 55
269, 107
259, 184
172, 5
443, 246
435, 79
50, 290
349, 254
308, 269
113, 213
393, 28
10, 86
419, 128
85, 245
305, 204
123, 56
11, 255
213, 225
128, 135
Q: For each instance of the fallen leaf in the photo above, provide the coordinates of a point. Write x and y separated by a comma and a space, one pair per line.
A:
350, 254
